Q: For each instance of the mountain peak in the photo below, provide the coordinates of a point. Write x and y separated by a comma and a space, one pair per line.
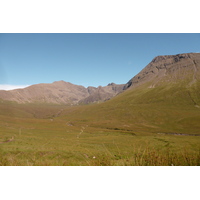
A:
60, 82
170, 68
111, 84
176, 57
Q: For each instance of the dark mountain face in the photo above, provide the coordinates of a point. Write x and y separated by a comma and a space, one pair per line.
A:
61, 92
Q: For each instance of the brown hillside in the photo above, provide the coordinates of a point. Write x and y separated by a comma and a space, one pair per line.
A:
60, 92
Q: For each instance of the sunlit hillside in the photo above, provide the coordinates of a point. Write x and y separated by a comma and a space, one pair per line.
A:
155, 122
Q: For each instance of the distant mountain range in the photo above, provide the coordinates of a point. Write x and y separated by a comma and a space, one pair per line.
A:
61, 92
172, 74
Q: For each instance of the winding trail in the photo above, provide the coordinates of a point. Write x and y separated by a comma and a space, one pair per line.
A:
82, 129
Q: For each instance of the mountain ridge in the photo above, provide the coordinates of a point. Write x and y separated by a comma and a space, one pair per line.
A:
166, 66
61, 92
180, 72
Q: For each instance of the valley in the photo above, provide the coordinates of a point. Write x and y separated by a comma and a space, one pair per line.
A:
153, 120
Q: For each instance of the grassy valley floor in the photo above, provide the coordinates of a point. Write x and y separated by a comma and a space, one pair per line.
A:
77, 136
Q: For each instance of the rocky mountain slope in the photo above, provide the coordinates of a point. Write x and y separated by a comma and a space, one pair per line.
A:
173, 79
102, 93
61, 92
170, 68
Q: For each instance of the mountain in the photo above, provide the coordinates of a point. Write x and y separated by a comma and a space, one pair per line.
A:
102, 93
61, 92
166, 79
168, 69
171, 79
163, 98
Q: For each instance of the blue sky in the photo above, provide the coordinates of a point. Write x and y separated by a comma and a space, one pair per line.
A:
84, 59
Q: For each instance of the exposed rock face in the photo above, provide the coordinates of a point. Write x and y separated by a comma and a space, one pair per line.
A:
170, 68
61, 92
102, 93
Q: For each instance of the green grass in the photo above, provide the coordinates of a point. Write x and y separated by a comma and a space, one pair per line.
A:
122, 131
44, 142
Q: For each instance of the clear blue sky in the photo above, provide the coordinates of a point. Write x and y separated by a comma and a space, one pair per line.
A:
85, 59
